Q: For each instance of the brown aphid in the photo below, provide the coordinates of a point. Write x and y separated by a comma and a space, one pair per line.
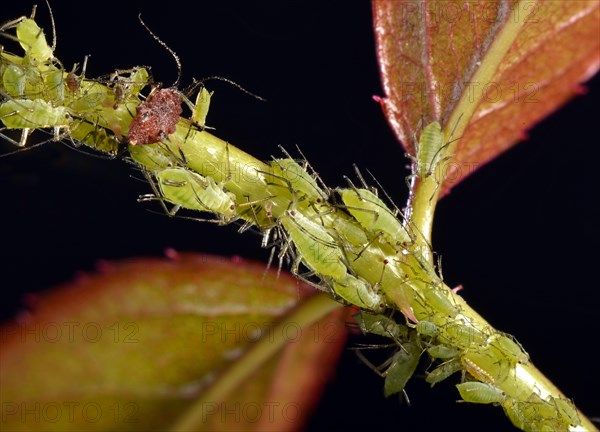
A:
73, 82
156, 117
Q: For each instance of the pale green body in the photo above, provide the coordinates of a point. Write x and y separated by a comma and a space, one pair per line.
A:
429, 149
193, 191
26, 113
373, 215
317, 248
359, 292
478, 392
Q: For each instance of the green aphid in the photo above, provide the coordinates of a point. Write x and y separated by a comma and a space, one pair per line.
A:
403, 366
567, 411
429, 150
37, 113
439, 298
478, 392
14, 80
359, 292
427, 328
443, 352
464, 336
508, 346
32, 40
350, 231
301, 184
193, 191
318, 249
201, 107
373, 215
443, 371
381, 325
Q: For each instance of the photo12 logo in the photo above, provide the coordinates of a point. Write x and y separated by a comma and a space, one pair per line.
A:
72, 332
72, 412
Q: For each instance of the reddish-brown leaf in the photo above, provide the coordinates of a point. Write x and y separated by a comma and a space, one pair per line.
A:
429, 52
133, 347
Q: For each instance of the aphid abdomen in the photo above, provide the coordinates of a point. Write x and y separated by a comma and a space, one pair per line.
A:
431, 142
303, 185
317, 247
156, 118
37, 113
193, 191
180, 187
442, 352
404, 364
14, 80
55, 85
217, 199
478, 392
359, 292
443, 371
32, 40
509, 347
373, 215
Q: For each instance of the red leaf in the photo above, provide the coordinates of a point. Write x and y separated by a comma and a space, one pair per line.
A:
429, 53
133, 347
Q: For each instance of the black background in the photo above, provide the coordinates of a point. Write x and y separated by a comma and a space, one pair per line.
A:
521, 234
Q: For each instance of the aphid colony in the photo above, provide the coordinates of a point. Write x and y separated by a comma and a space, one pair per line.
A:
344, 241
528, 412
38, 93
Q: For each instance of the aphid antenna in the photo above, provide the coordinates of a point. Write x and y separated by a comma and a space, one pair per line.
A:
165, 46
387, 196
284, 151
200, 83
52, 22
345, 177
362, 180
316, 175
